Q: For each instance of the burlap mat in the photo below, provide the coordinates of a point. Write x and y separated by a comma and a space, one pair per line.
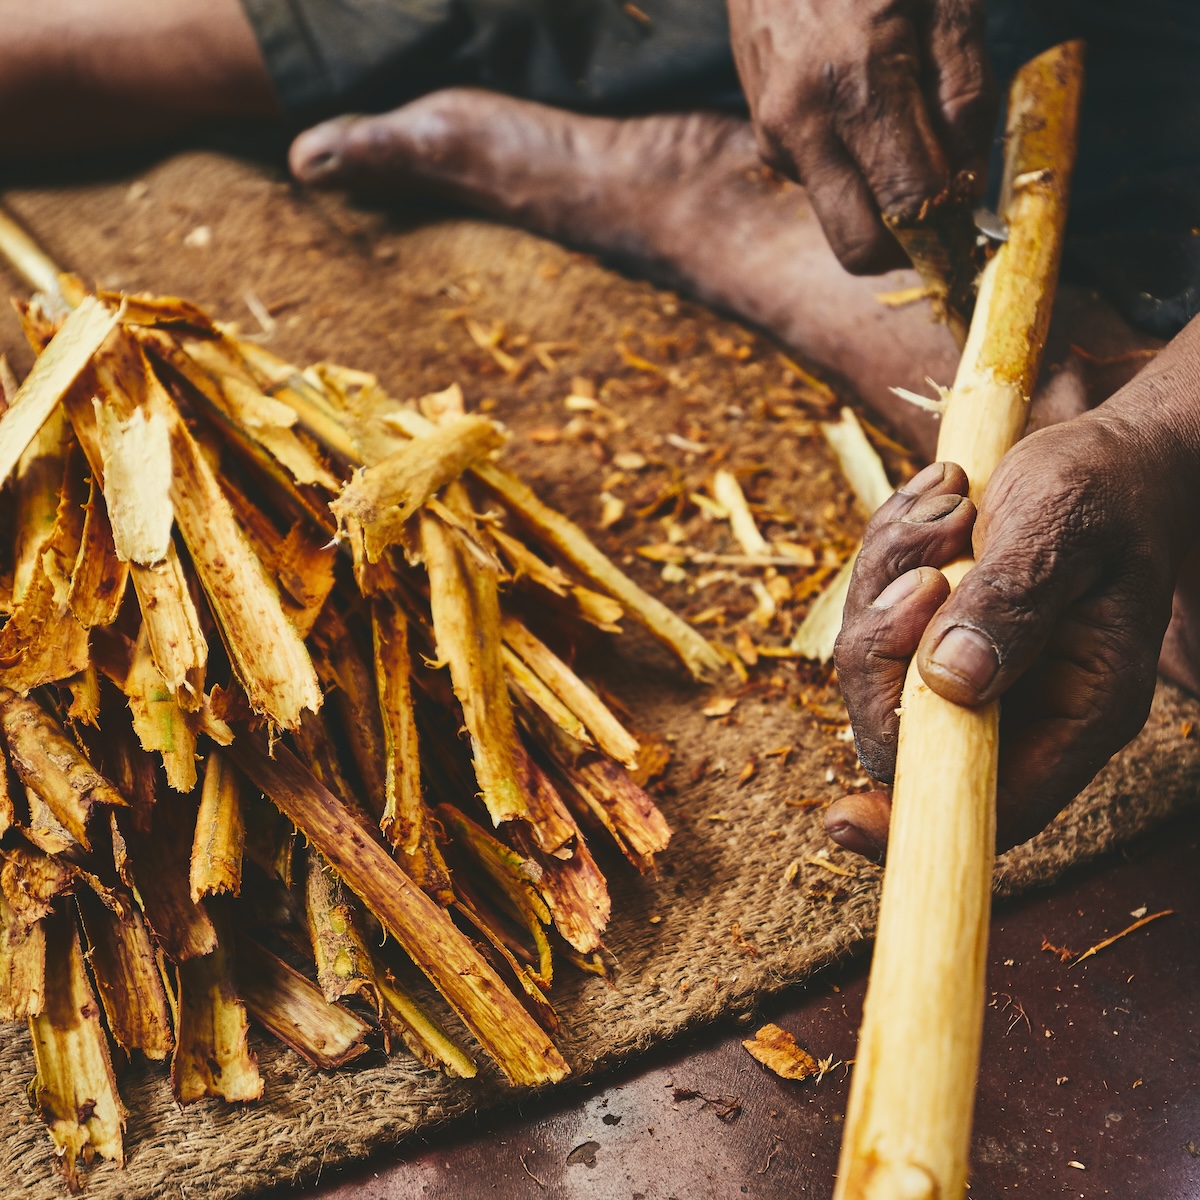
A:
732, 925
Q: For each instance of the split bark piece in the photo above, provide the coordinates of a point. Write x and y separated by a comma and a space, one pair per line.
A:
268, 655
531, 686
212, 1054
728, 493
609, 733
424, 930
424, 1037
381, 498
75, 1090
37, 487
22, 964
159, 720
127, 978
514, 882
568, 540
53, 373
158, 864
173, 627
859, 460
406, 819
42, 641
216, 865
909, 1118
99, 578
50, 764
344, 964
136, 452
281, 1000
466, 621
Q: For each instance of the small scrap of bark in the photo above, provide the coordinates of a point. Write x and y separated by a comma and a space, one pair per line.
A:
136, 453
405, 821
216, 862
722, 706
729, 496
777, 1050
859, 460
159, 720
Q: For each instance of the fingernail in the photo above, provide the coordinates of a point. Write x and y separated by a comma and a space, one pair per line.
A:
857, 841
968, 655
922, 481
931, 508
899, 589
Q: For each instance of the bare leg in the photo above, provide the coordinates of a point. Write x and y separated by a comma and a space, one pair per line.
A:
684, 199
82, 73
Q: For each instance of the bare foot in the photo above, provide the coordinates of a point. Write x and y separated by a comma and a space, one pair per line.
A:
680, 198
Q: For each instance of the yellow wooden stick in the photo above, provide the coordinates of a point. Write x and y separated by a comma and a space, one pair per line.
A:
908, 1124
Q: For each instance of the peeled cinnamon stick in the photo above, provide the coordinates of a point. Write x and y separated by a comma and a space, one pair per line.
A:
908, 1123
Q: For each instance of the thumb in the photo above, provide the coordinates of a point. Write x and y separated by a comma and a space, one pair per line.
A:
999, 618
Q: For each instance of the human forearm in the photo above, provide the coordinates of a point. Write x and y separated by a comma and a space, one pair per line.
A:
79, 73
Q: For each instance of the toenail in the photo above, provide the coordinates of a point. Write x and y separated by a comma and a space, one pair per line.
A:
319, 166
899, 589
967, 655
931, 508
922, 481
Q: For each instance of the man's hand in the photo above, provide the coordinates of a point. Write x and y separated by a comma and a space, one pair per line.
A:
1079, 539
873, 105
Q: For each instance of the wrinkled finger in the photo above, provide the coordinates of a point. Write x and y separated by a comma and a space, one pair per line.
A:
879, 113
859, 823
847, 209
927, 522
961, 90
872, 656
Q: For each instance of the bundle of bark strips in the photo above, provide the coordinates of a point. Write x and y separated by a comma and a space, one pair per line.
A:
224, 784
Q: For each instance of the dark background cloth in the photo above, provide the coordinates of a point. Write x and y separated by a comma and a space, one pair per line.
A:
1134, 230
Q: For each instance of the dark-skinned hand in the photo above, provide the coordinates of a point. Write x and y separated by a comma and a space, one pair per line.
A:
873, 105
1078, 541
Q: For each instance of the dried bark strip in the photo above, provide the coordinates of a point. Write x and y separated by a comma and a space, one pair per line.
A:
50, 764
294, 1010
99, 578
75, 1091
405, 821
466, 622
267, 653
381, 498
424, 930
212, 1054
127, 978
610, 734
53, 373
216, 864
159, 720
